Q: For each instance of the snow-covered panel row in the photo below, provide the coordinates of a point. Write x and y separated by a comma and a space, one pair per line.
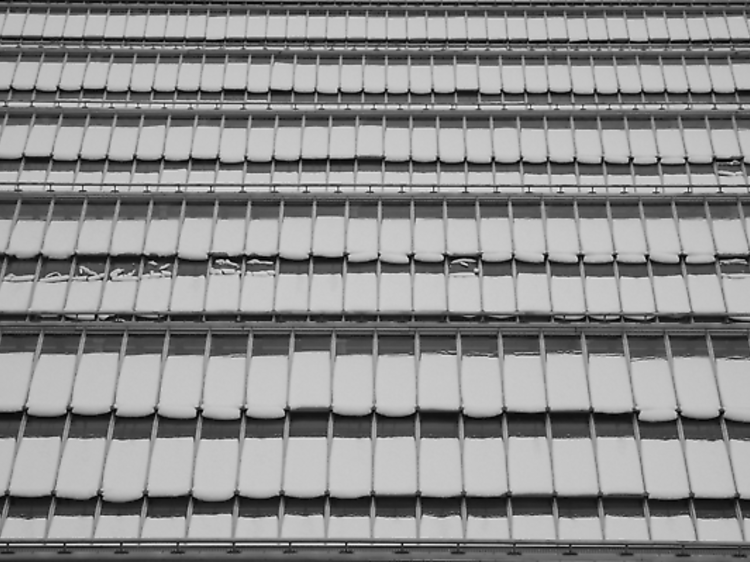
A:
355, 375
339, 24
494, 518
372, 176
561, 140
398, 74
365, 230
309, 455
562, 286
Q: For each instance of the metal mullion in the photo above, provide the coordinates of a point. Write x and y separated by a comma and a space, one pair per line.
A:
329, 436
374, 424
242, 437
134, 164
242, 273
202, 311
722, 419
691, 508
34, 362
742, 218
717, 270
548, 273
417, 350
634, 419
63, 442
175, 262
555, 507
236, 498
272, 163
678, 421
282, 497
50, 515
603, 164
710, 221
542, 339
37, 273
162, 367
329, 448
196, 441
206, 354
652, 282
378, 262
110, 432
3, 270
5, 509
292, 338
646, 511
190, 160
310, 262
344, 264
461, 438
82, 220
594, 441
76, 365
19, 436
99, 498
145, 499
71, 271
480, 263
417, 443
277, 270
412, 313
47, 221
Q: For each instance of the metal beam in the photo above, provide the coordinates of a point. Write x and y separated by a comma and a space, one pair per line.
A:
369, 550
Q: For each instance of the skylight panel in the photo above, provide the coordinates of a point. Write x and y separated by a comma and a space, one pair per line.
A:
138, 383
82, 461
267, 379
523, 377
652, 383
351, 458
261, 462
306, 458
224, 386
96, 375
171, 467
670, 520
35, 468
395, 466
618, 459
216, 462
52, 379
707, 459
395, 377
533, 519
664, 466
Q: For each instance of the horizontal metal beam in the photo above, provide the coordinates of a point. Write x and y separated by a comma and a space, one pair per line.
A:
373, 50
396, 327
202, 109
375, 550
264, 194
396, 5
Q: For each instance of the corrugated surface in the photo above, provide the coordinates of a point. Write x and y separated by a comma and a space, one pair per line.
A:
460, 422
376, 73
377, 25
379, 365
593, 259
